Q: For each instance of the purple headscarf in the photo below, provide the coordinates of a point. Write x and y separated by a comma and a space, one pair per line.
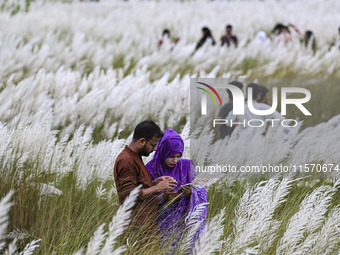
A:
170, 144
171, 219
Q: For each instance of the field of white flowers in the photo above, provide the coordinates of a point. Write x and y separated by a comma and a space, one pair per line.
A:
76, 77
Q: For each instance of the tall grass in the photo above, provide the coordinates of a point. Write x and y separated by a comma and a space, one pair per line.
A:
75, 61
76, 77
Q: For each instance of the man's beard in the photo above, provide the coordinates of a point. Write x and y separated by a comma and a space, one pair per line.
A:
144, 151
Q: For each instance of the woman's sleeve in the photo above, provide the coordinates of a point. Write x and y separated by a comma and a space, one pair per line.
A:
198, 196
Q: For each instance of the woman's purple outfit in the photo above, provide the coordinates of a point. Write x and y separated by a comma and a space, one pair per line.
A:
171, 217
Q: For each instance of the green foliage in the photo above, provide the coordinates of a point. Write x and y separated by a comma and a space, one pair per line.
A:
64, 222
15, 6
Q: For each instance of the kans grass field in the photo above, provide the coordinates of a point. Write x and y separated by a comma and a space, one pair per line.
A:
75, 79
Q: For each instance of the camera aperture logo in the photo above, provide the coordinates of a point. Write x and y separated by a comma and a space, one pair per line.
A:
251, 113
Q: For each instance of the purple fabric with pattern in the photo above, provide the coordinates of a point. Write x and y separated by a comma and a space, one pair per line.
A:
171, 217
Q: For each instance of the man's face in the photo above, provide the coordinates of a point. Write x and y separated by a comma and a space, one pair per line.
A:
229, 30
149, 146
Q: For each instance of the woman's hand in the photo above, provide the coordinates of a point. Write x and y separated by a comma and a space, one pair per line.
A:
186, 190
167, 196
163, 178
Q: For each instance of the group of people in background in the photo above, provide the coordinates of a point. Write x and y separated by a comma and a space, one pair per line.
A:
281, 34
229, 39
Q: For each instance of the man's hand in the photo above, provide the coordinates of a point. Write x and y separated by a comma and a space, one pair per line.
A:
167, 196
186, 190
163, 178
166, 185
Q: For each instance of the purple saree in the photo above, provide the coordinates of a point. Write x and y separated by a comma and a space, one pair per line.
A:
171, 218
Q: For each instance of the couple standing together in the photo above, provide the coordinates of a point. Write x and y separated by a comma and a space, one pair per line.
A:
164, 200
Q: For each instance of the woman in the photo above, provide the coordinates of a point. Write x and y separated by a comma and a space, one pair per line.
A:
283, 33
175, 206
206, 35
309, 40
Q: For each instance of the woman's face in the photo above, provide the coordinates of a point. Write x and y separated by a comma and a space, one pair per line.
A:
173, 160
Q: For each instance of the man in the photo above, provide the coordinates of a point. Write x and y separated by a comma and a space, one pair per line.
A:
262, 94
223, 130
130, 172
229, 38
259, 102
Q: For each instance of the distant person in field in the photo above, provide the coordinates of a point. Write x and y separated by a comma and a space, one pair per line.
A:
259, 101
166, 39
229, 39
336, 42
206, 38
262, 94
262, 39
339, 40
130, 172
283, 33
223, 130
309, 40
175, 205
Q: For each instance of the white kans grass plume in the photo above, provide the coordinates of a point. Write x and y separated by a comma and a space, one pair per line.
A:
276, 147
90, 38
193, 224
103, 242
301, 232
98, 99
30, 247
18, 234
95, 244
254, 222
80, 66
209, 241
37, 144
327, 240
100, 191
48, 189
5, 206
318, 143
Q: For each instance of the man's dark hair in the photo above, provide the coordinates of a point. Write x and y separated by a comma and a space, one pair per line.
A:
147, 129
256, 89
237, 84
263, 90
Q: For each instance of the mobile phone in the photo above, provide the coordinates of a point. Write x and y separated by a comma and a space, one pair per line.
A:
181, 189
